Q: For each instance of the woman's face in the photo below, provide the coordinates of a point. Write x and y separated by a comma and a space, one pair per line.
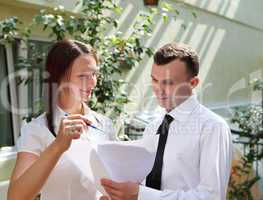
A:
82, 78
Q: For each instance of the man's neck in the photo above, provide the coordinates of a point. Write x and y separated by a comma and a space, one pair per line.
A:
178, 102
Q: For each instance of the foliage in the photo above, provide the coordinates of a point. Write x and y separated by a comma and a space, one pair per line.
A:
91, 25
250, 124
8, 29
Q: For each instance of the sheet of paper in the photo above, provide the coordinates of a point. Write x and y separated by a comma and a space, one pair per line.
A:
126, 161
119, 161
83, 155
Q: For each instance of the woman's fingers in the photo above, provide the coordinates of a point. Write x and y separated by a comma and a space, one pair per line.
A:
77, 116
74, 129
74, 122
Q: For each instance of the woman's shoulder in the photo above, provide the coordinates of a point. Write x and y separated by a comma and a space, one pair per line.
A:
33, 137
36, 124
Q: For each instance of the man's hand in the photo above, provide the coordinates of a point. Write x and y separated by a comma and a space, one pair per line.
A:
120, 191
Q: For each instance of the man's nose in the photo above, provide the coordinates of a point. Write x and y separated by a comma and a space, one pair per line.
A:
160, 89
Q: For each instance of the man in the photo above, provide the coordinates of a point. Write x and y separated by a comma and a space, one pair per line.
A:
194, 152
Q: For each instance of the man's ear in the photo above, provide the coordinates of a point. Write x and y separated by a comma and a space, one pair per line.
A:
194, 82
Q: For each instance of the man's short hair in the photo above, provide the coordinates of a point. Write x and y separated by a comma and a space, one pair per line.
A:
183, 52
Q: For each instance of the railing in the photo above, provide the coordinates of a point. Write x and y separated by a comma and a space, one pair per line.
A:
133, 132
244, 143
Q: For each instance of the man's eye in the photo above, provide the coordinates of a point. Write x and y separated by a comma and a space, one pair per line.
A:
154, 80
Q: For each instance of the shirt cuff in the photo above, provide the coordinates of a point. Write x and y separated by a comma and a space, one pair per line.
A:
146, 193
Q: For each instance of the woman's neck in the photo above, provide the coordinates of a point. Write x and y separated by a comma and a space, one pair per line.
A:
70, 106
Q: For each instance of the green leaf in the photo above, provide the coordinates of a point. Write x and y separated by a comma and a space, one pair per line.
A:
166, 7
194, 14
165, 17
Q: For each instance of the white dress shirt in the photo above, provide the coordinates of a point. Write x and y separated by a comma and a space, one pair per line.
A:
197, 158
65, 181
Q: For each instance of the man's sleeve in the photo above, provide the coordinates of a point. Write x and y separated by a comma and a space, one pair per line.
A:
215, 165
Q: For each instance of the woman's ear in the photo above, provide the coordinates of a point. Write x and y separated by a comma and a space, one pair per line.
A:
194, 82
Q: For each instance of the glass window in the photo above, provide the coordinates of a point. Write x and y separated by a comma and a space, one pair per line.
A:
6, 133
37, 50
30, 91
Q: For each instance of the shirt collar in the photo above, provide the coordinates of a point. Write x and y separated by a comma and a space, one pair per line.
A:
182, 112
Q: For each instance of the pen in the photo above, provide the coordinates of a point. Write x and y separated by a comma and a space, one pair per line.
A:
90, 125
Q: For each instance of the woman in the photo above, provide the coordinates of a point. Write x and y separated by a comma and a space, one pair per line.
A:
41, 166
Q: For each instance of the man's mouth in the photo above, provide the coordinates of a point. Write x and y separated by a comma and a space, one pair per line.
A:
162, 98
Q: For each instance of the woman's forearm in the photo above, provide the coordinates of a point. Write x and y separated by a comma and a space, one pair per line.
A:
28, 185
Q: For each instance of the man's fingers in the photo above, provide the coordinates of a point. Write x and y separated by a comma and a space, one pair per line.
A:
104, 198
113, 193
110, 183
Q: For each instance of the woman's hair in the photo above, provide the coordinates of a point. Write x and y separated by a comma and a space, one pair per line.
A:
59, 61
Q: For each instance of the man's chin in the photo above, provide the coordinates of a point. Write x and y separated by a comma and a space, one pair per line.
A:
165, 105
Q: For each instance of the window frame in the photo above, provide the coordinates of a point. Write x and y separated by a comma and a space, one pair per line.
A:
16, 120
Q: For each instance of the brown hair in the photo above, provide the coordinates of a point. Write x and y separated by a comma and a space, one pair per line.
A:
58, 63
183, 52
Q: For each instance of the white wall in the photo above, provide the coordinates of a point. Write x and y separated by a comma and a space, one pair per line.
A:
228, 36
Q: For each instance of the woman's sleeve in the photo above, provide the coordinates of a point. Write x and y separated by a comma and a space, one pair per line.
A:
31, 139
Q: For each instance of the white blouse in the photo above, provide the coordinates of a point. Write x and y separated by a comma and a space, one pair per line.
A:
64, 181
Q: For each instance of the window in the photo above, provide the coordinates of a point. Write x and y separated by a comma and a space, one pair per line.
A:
35, 86
6, 134
29, 95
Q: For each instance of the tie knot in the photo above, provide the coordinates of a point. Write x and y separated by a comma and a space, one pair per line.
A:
168, 119
163, 128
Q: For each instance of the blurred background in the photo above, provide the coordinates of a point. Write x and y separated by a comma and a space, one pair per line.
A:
227, 34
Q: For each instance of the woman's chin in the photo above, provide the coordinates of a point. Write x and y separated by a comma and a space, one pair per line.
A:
85, 98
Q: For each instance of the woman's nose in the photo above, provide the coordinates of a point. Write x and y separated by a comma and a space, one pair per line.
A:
92, 82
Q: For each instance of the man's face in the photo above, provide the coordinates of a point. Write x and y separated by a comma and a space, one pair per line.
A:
172, 83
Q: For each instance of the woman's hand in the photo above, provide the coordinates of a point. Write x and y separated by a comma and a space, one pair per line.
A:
22, 185
71, 127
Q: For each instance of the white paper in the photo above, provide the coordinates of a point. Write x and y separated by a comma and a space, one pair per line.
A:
83, 154
118, 161
126, 161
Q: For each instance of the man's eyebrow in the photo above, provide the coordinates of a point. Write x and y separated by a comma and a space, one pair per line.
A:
153, 77
164, 80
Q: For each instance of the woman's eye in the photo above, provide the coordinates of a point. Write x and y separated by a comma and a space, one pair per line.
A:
82, 76
88, 76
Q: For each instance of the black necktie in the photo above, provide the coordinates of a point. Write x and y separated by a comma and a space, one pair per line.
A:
153, 180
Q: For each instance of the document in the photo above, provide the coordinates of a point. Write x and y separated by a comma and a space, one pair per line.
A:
118, 161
